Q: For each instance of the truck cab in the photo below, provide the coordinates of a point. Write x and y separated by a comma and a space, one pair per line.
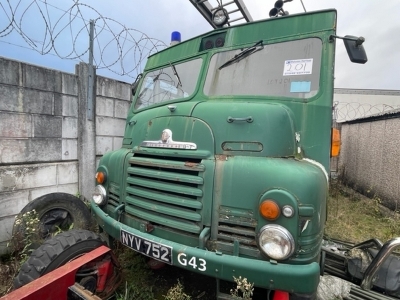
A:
224, 164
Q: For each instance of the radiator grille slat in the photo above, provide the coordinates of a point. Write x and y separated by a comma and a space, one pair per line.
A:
241, 239
164, 209
163, 197
164, 220
170, 176
114, 192
165, 186
167, 164
238, 230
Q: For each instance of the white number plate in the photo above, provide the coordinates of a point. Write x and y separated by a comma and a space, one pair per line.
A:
155, 250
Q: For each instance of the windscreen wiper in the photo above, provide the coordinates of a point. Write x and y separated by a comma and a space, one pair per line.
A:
176, 75
246, 52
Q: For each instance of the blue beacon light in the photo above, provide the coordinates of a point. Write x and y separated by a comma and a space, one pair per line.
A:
175, 38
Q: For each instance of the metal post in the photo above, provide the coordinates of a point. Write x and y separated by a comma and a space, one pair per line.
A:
91, 74
377, 262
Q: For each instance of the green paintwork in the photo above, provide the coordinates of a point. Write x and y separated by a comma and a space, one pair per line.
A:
204, 203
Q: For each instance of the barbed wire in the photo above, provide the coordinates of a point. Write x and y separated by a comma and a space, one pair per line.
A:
346, 111
48, 29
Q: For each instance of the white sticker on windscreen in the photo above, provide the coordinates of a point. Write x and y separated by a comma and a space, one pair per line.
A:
298, 67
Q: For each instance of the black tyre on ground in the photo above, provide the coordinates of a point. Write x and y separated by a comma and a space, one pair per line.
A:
56, 252
56, 212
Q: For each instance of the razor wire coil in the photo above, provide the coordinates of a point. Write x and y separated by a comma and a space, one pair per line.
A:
64, 32
347, 111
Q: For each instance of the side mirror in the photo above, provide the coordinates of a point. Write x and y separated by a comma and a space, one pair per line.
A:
136, 84
355, 49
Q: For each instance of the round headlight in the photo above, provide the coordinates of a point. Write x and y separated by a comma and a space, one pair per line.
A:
99, 195
276, 242
220, 17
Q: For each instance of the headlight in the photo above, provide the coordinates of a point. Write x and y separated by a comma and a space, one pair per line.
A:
99, 195
220, 17
276, 242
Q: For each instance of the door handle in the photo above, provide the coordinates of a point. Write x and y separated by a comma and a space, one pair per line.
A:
248, 119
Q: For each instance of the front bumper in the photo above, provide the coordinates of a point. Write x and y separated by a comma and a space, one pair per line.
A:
301, 279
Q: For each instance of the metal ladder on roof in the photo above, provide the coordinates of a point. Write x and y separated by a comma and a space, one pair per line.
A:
236, 9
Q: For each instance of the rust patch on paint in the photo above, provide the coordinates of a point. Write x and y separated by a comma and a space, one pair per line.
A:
221, 157
191, 164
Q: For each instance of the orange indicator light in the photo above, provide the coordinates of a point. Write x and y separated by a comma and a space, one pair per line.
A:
100, 177
269, 210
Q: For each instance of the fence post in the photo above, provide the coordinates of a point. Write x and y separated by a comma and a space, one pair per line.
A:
90, 101
86, 131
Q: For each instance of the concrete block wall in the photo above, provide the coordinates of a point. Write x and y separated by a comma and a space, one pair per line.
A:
44, 134
370, 159
38, 114
113, 99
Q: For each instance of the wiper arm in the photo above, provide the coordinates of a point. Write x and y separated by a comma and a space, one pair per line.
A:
176, 75
156, 78
257, 47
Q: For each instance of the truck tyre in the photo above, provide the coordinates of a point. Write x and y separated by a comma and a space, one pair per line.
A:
55, 252
56, 212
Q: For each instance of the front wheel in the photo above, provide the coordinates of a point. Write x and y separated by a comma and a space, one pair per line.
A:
56, 252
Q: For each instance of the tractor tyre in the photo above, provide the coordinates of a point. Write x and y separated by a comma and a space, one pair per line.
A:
56, 252
56, 212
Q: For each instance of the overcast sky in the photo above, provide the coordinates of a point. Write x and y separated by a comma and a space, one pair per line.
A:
377, 21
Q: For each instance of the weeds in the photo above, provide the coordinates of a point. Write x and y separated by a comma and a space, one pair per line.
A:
138, 278
29, 234
59, 229
22, 246
243, 290
22, 243
8, 269
176, 293
135, 291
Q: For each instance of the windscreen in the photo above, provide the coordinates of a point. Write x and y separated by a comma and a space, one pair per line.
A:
169, 83
288, 69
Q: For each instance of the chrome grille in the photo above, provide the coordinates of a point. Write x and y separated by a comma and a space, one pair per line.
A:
166, 191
